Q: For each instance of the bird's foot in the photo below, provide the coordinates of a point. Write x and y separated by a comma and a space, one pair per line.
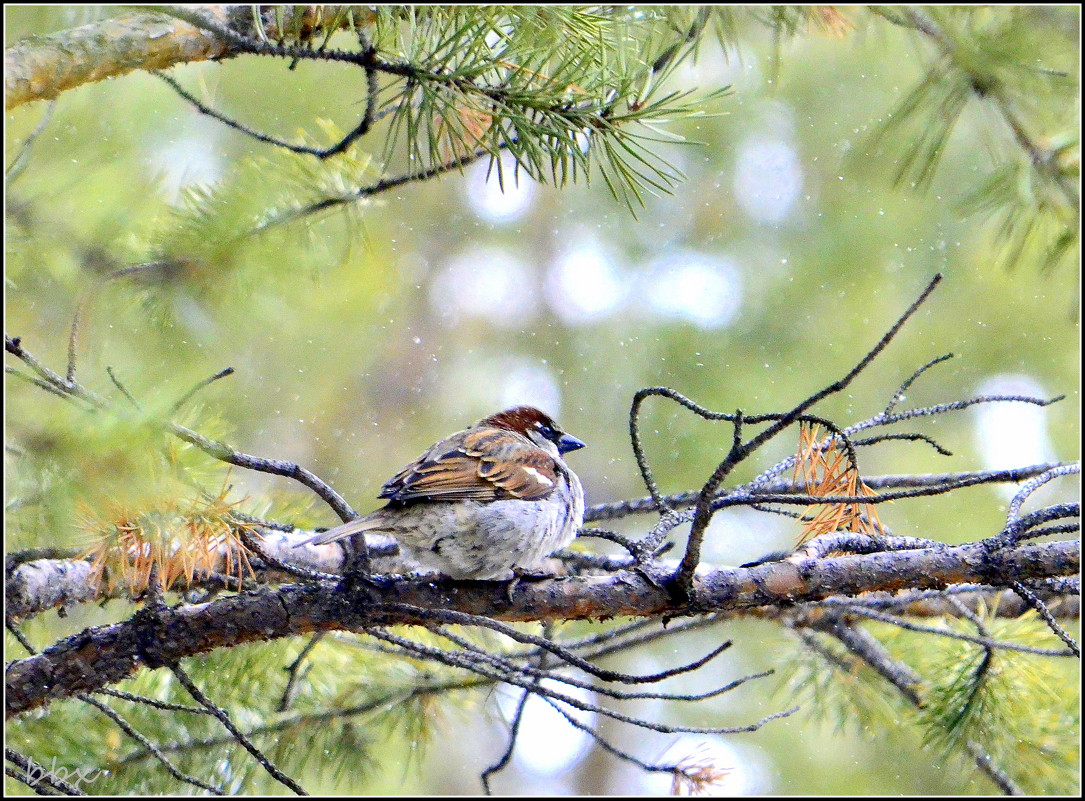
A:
520, 574
380, 581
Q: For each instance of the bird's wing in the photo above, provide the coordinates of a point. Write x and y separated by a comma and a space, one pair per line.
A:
484, 464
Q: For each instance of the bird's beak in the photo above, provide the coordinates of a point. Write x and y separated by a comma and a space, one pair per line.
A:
567, 442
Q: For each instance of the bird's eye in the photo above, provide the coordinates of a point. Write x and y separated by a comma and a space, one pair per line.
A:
546, 431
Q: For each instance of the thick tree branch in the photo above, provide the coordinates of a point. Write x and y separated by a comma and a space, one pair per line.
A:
101, 656
41, 67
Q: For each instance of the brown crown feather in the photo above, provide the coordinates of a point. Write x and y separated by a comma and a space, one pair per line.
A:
520, 419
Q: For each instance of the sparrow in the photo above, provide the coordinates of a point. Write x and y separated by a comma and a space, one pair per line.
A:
490, 502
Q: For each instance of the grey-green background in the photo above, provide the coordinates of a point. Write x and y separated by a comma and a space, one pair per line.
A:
767, 274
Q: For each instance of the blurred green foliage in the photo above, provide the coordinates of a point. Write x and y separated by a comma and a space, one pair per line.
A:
356, 342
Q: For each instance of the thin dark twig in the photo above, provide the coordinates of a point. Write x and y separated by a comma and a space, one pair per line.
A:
987, 765
154, 702
954, 406
624, 637
540, 659
294, 671
22, 158
14, 346
520, 681
881, 419
17, 633
781, 422
1041, 609
151, 748
813, 500
969, 615
645, 468
605, 745
43, 385
871, 651
317, 718
271, 524
579, 561
1025, 527
383, 185
463, 618
37, 786
514, 731
225, 453
985, 642
184, 398
124, 391
616, 645
214, 448
1047, 531
476, 654
73, 336
363, 127
224, 718
1034, 484
838, 386
201, 107
611, 536
84, 302
898, 396
29, 768
1012, 534
909, 437
373, 88
620, 509
702, 510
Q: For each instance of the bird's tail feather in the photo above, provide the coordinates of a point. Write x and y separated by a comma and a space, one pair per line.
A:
342, 532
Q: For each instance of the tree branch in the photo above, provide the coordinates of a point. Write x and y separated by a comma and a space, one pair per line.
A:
101, 656
42, 67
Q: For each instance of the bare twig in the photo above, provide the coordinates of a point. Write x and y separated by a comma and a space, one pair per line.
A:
383, 185
150, 747
185, 398
215, 448
22, 158
295, 673
985, 642
1045, 613
1034, 484
37, 777
124, 390
240, 737
620, 509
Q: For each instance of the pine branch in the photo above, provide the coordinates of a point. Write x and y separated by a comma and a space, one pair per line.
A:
43, 67
99, 657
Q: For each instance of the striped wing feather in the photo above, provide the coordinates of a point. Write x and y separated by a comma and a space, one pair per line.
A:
477, 465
